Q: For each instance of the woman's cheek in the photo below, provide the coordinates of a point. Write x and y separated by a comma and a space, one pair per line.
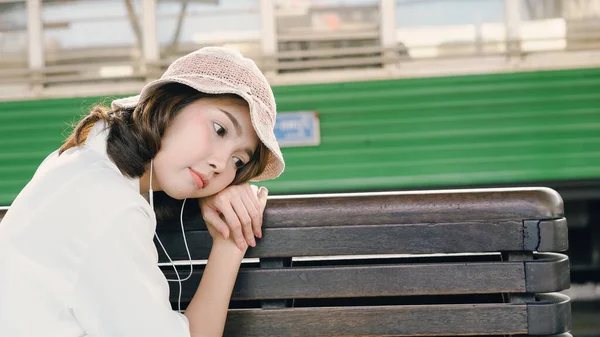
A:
224, 180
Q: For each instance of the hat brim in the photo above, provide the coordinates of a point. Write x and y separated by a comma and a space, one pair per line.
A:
209, 85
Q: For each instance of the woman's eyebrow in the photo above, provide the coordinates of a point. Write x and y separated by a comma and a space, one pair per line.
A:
238, 129
236, 124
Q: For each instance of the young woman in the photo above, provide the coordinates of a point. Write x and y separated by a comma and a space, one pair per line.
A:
77, 256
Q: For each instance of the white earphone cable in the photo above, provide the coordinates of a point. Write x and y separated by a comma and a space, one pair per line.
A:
178, 280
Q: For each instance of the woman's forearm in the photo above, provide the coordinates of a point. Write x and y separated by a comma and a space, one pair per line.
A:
208, 309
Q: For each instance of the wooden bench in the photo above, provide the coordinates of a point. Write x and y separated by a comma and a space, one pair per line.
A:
430, 263
443, 263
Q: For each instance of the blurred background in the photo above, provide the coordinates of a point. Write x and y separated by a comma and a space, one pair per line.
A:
372, 95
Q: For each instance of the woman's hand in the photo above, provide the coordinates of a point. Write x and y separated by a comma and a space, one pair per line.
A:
236, 211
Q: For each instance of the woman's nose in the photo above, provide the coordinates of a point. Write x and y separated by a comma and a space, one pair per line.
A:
218, 163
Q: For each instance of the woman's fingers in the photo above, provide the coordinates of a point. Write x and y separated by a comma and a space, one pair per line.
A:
261, 199
213, 218
241, 209
237, 212
255, 209
235, 227
263, 193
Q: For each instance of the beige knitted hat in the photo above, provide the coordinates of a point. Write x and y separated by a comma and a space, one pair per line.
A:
218, 70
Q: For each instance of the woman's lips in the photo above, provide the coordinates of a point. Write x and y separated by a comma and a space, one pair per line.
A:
200, 180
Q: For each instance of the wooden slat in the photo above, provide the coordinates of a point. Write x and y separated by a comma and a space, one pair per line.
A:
360, 240
545, 274
368, 281
379, 321
412, 207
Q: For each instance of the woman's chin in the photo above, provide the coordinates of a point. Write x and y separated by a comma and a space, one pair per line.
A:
189, 193
178, 193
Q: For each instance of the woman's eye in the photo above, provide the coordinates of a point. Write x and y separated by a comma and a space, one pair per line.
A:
219, 130
238, 163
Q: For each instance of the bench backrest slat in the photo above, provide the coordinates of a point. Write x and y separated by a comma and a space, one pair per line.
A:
416, 207
474, 236
380, 321
547, 273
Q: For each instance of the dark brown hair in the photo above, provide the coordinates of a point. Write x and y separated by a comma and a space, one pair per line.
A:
135, 134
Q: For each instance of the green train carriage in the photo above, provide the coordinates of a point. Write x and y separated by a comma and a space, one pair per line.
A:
528, 128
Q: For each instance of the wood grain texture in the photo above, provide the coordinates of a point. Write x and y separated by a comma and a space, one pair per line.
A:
379, 321
369, 281
416, 207
474, 236
411, 207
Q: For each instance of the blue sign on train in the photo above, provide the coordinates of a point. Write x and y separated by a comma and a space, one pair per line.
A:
299, 128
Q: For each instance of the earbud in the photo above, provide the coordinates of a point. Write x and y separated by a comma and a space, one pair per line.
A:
178, 280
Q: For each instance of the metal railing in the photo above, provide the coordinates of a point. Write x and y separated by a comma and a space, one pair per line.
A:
309, 44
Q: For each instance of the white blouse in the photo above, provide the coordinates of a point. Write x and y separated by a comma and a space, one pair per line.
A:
77, 256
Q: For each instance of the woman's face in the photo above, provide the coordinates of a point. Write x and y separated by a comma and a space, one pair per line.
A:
203, 147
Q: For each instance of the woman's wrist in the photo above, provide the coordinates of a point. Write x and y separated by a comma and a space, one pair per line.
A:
227, 246
208, 309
